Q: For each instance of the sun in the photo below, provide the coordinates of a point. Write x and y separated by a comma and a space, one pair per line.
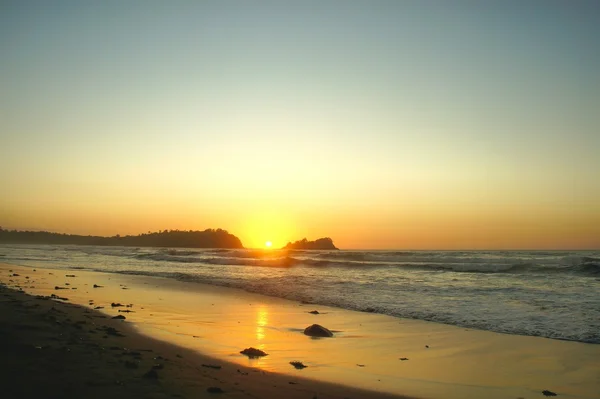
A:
268, 244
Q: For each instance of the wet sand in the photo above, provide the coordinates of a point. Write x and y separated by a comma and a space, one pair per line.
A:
366, 352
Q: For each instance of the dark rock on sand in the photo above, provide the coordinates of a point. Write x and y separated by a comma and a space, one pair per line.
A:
131, 365
314, 312
119, 317
298, 365
403, 358
548, 393
97, 286
151, 375
317, 330
214, 390
115, 304
253, 353
112, 331
212, 366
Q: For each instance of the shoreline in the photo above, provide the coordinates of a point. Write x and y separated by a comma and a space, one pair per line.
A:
365, 353
56, 349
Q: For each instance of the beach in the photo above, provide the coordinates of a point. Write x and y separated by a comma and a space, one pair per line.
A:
370, 355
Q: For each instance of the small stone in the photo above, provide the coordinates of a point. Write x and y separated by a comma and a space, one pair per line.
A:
151, 375
314, 312
119, 317
131, 365
548, 393
212, 366
317, 330
253, 353
298, 365
214, 390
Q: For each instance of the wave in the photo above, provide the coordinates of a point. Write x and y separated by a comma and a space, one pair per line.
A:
273, 287
586, 266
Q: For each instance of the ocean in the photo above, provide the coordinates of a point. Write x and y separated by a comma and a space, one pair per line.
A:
553, 294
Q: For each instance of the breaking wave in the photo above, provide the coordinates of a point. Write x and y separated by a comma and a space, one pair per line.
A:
588, 266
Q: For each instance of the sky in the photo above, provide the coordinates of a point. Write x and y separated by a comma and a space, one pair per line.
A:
380, 124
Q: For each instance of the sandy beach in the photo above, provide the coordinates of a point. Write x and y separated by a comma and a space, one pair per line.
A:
68, 348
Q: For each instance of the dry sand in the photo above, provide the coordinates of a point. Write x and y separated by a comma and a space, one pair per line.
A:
365, 353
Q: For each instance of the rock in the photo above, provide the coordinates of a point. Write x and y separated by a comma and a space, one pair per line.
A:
403, 358
314, 312
298, 365
253, 353
115, 305
214, 390
131, 365
321, 243
112, 331
97, 286
548, 393
151, 375
317, 330
119, 317
212, 366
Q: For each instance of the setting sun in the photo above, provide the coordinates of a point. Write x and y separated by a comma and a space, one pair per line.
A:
268, 244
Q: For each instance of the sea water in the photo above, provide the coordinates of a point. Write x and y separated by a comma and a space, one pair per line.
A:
552, 294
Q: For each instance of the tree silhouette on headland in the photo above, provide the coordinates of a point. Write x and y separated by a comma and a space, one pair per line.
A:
209, 238
321, 243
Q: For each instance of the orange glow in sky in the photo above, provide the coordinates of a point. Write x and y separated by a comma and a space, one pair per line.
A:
408, 125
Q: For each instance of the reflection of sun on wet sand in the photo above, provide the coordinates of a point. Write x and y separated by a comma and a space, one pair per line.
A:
369, 351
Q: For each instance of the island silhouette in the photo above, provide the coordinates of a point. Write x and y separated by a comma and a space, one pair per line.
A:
321, 243
209, 238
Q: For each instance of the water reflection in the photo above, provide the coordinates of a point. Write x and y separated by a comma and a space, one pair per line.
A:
262, 319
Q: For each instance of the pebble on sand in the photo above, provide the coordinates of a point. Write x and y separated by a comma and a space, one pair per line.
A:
253, 353
317, 330
298, 365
